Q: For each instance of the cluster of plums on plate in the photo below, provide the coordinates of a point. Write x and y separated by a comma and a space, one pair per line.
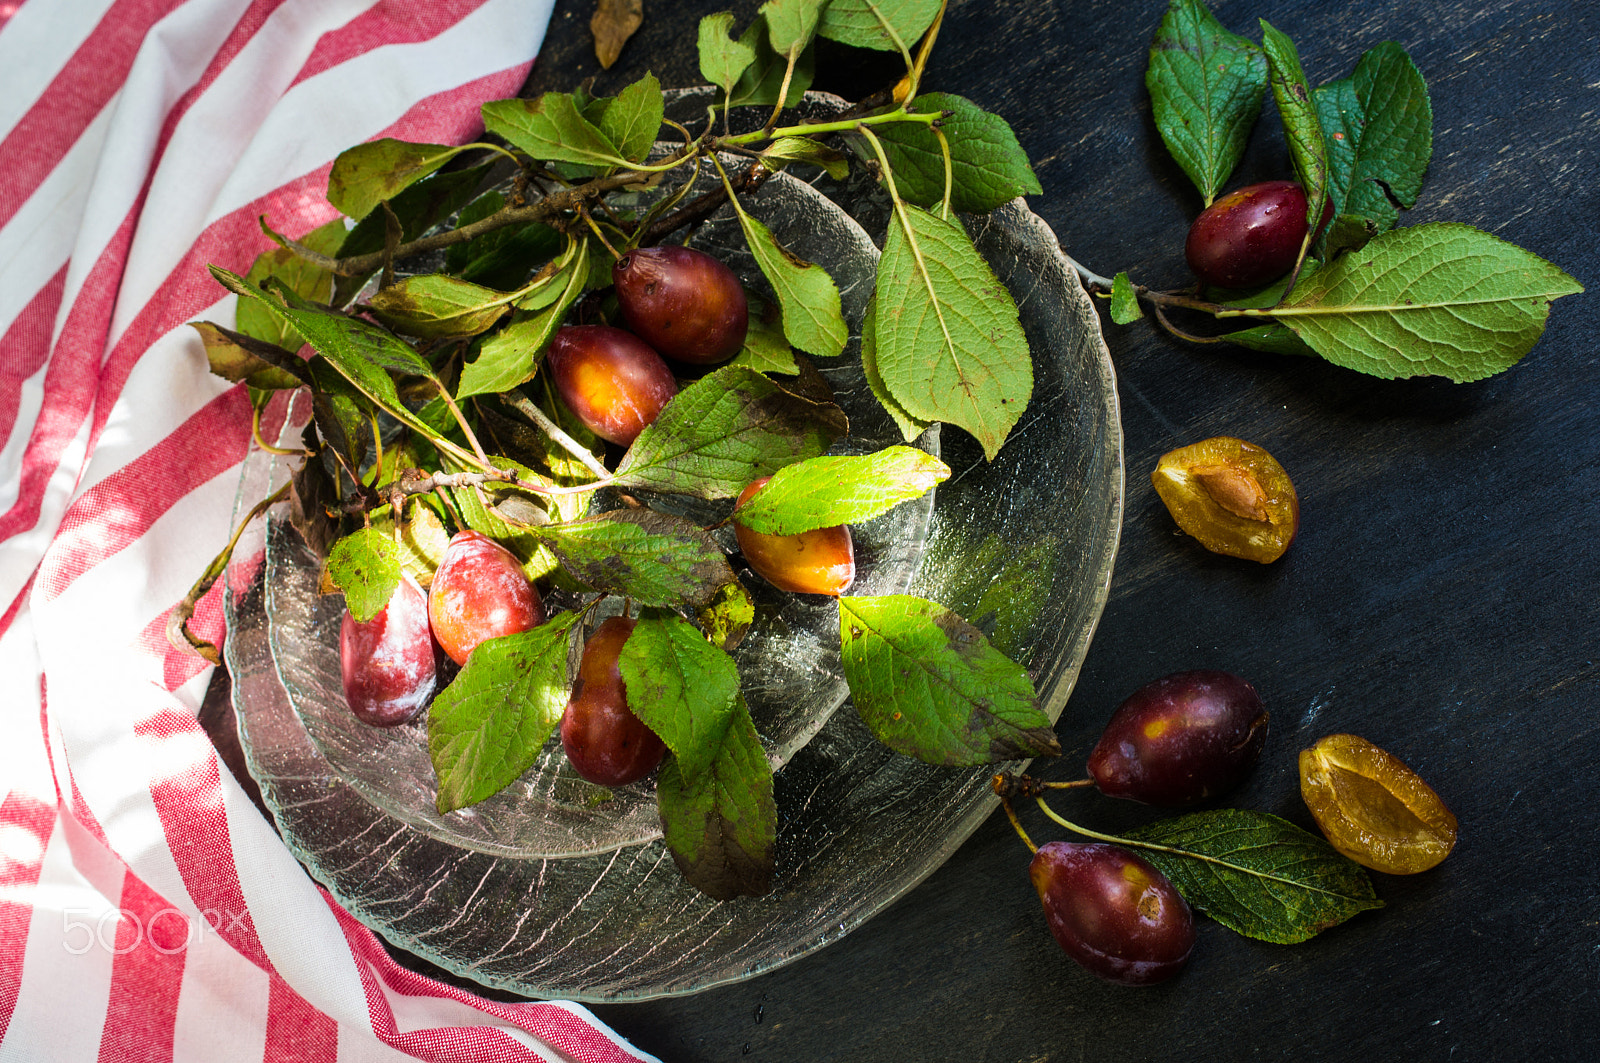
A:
479, 592
677, 302
689, 307
1177, 741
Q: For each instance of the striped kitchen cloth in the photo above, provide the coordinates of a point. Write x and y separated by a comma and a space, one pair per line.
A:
147, 910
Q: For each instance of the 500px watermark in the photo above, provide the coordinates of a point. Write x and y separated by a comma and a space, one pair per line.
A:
118, 930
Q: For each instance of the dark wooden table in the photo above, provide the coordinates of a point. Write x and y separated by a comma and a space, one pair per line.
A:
1441, 599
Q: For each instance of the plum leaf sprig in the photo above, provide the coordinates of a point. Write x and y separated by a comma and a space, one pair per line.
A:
1439, 299
518, 413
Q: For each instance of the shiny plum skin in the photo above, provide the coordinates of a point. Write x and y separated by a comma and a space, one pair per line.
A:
1249, 237
684, 303
822, 561
610, 379
1112, 912
479, 592
388, 662
604, 741
1181, 739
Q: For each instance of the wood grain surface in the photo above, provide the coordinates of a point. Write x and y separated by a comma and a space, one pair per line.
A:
1441, 600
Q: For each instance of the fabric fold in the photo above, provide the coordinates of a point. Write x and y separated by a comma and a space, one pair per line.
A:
147, 909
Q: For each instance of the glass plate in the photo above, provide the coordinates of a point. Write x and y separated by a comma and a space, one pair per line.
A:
1022, 546
789, 660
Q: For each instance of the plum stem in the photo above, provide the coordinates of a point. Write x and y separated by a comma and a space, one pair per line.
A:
583, 212
531, 411
914, 76
1089, 277
1161, 317
783, 90
1016, 824
466, 429
255, 431
178, 632
949, 182
1085, 831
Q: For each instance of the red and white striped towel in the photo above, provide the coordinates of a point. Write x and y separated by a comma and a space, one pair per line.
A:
147, 910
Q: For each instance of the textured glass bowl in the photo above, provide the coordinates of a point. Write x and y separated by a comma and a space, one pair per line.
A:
789, 660
1022, 546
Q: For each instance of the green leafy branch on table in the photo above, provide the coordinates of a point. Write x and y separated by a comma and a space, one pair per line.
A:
1438, 299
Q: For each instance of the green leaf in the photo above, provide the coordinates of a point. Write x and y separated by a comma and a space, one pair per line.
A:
511, 356
791, 23
1206, 86
364, 353
365, 565
928, 684
720, 827
340, 339
729, 615
434, 306
1349, 232
722, 59
348, 339
551, 129
1257, 874
828, 491
1271, 339
1441, 299
417, 209
682, 687
805, 150
423, 540
653, 558
987, 165
1378, 127
762, 80
486, 728
299, 275
1300, 125
1265, 297
724, 430
1124, 302
949, 345
234, 357
517, 535
343, 414
812, 320
877, 23
501, 258
910, 427
367, 174
765, 350
633, 119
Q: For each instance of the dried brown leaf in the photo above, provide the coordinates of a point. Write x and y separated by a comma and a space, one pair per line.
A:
613, 23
